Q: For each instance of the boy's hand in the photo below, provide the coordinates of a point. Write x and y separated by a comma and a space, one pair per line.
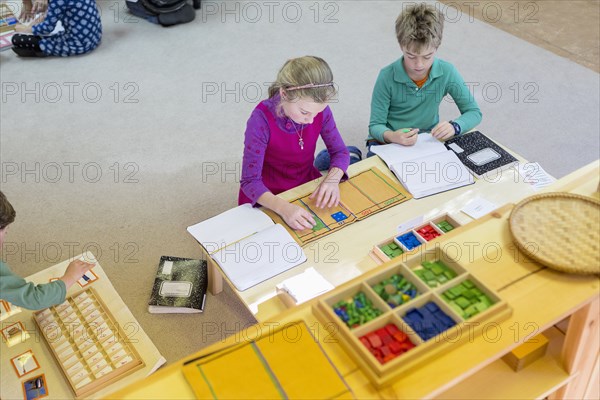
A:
297, 217
443, 131
404, 136
75, 271
20, 28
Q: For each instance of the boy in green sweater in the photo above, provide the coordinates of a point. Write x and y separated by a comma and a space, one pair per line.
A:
408, 92
17, 291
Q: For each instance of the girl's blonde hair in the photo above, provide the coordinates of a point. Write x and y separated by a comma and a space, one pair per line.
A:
420, 26
306, 76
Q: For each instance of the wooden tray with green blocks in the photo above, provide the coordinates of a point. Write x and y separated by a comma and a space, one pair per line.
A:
409, 311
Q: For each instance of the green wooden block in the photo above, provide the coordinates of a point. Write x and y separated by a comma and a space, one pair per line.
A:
436, 269
462, 302
318, 226
429, 276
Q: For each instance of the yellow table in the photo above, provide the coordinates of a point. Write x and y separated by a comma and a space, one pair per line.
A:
343, 255
539, 298
57, 383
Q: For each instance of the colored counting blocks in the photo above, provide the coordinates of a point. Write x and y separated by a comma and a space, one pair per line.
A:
396, 290
435, 273
319, 225
386, 343
356, 311
467, 299
391, 250
409, 240
445, 226
428, 232
339, 216
428, 321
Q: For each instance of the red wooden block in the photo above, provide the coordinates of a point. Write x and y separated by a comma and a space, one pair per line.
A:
374, 339
387, 358
381, 332
366, 342
385, 351
400, 336
395, 347
388, 339
391, 328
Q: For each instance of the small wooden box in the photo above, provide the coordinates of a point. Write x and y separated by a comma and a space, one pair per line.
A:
528, 352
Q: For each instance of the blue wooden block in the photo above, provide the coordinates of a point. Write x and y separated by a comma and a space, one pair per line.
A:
339, 216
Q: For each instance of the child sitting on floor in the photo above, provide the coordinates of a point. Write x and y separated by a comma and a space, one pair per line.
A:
80, 20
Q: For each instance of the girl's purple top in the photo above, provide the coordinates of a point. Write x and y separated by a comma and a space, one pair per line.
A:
273, 160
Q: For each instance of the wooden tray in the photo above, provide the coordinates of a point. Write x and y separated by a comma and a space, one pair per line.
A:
380, 374
88, 344
559, 230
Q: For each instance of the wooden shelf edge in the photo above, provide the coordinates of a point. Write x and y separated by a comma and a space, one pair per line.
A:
537, 380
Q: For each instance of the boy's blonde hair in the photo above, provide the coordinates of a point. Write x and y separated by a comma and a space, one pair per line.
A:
306, 76
420, 26
7, 212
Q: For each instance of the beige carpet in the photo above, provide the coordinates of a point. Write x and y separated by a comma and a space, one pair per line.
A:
117, 152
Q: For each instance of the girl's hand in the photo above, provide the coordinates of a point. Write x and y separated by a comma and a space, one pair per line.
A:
327, 193
39, 6
26, 14
297, 217
442, 131
20, 28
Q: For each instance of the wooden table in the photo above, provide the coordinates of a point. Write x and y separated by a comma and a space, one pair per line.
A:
538, 296
58, 386
343, 255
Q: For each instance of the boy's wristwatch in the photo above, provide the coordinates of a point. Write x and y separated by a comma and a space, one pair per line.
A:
456, 127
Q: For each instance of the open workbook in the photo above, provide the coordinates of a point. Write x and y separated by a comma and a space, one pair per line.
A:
248, 246
426, 168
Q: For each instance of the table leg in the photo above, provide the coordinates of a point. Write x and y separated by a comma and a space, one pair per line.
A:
215, 278
580, 354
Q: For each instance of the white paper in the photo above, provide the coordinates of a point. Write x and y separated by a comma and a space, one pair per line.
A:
431, 174
394, 153
408, 225
478, 207
534, 174
167, 267
259, 257
226, 228
306, 285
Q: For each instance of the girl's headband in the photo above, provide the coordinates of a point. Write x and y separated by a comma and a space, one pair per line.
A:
311, 86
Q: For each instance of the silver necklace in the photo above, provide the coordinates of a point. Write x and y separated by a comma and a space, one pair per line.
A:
300, 139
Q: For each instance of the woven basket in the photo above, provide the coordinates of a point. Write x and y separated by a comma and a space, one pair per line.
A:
559, 230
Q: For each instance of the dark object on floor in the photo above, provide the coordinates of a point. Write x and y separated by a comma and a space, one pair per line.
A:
164, 12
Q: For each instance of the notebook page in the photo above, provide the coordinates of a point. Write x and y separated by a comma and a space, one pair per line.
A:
229, 227
394, 153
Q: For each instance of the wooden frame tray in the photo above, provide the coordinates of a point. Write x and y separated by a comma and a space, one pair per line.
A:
381, 374
87, 342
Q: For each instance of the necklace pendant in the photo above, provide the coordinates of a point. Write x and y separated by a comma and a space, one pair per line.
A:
301, 144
